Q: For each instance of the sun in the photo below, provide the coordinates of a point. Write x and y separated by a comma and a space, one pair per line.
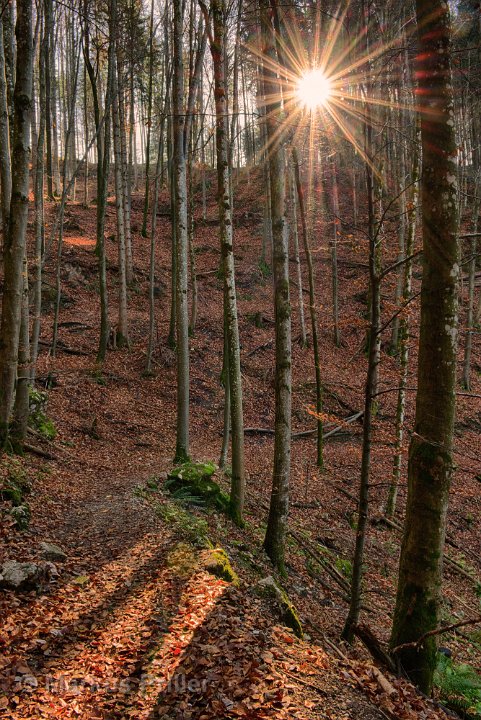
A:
314, 89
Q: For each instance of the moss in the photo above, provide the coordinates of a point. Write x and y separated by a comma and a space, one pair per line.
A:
270, 590
14, 481
192, 528
417, 613
192, 482
182, 560
21, 516
218, 564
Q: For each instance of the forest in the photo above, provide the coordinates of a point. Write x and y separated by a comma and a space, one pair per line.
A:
240, 359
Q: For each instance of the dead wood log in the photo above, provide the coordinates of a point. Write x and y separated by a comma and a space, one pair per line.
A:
64, 348
264, 346
328, 567
38, 451
383, 682
306, 433
372, 644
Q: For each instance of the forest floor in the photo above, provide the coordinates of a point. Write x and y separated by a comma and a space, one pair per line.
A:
136, 626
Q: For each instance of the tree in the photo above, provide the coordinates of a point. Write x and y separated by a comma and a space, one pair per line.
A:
181, 240
274, 542
224, 169
16, 223
430, 453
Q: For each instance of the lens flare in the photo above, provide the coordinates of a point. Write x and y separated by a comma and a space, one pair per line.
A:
314, 89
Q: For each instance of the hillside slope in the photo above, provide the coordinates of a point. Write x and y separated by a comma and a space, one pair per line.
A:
125, 603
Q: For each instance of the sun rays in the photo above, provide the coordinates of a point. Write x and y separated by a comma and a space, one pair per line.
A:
335, 86
314, 89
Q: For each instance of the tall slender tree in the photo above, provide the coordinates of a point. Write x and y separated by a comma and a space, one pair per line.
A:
224, 169
274, 542
181, 238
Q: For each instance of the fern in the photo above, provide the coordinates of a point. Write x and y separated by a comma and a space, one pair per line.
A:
459, 686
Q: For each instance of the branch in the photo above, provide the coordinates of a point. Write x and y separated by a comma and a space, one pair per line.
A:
398, 263
206, 15
439, 631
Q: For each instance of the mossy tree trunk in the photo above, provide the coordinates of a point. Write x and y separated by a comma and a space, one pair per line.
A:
430, 455
274, 542
15, 237
5, 166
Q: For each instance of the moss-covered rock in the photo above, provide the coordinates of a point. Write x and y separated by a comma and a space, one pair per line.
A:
217, 563
268, 588
192, 482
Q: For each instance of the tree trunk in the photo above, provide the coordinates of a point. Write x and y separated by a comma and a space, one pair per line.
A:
15, 239
5, 165
181, 241
122, 334
430, 454
274, 542
218, 47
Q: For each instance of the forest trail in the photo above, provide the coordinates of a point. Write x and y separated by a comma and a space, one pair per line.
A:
146, 632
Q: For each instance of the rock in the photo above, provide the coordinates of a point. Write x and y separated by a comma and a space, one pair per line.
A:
268, 588
21, 516
217, 563
26, 575
53, 552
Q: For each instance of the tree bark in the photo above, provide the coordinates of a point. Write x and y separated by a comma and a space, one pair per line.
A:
15, 239
218, 48
274, 542
181, 240
430, 454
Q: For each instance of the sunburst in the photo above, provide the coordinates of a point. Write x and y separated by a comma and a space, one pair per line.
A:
330, 88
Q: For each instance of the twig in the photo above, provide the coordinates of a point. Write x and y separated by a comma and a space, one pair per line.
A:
438, 631
305, 682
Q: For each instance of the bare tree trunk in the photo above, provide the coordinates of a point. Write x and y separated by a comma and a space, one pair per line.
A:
472, 275
122, 334
274, 542
369, 394
336, 220
312, 307
404, 336
39, 207
181, 241
5, 166
103, 165
295, 235
65, 189
149, 122
218, 48
21, 405
153, 228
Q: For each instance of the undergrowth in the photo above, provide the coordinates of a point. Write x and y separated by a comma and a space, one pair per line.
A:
459, 687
